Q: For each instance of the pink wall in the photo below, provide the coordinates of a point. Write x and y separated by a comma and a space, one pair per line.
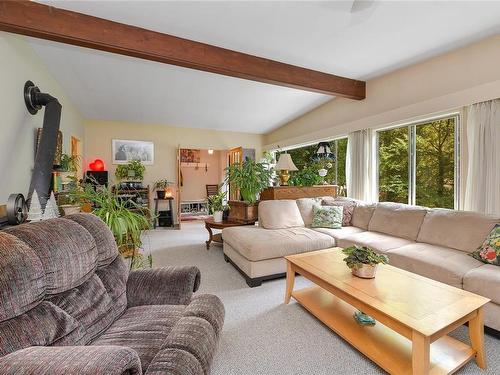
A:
195, 179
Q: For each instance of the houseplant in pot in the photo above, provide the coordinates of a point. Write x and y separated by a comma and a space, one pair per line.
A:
131, 174
363, 261
126, 225
161, 187
249, 178
217, 206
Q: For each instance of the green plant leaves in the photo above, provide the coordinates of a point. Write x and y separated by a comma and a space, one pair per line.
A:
250, 178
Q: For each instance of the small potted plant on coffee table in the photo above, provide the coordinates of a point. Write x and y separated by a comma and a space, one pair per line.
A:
363, 261
217, 206
161, 187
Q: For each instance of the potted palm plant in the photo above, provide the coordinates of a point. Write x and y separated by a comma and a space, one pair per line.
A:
217, 206
363, 261
249, 178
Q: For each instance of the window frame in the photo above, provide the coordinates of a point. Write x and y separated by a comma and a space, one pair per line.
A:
412, 157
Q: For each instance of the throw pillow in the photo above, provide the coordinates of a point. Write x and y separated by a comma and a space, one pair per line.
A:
327, 217
348, 209
489, 251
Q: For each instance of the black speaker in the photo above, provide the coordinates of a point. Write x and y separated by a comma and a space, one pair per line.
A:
97, 177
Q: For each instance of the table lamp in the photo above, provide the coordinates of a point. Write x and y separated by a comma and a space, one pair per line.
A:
285, 164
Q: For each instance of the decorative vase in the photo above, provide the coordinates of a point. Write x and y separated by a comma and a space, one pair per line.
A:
160, 194
218, 216
365, 272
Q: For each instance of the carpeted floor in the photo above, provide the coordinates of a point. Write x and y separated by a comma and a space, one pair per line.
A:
262, 335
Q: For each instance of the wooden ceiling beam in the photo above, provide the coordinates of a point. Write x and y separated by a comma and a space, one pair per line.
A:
50, 23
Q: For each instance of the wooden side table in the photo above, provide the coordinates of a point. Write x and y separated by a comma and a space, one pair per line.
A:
211, 224
170, 211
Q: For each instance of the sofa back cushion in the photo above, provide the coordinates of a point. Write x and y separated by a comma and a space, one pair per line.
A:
305, 206
362, 214
22, 278
279, 214
461, 230
67, 251
397, 219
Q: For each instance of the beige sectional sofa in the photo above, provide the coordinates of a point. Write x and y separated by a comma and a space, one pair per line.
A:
434, 243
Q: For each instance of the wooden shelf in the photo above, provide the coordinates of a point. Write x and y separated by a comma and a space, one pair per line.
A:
385, 347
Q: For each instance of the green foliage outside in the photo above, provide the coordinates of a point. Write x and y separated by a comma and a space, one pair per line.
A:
307, 174
434, 164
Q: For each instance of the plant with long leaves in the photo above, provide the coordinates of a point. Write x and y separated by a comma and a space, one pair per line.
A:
250, 178
126, 225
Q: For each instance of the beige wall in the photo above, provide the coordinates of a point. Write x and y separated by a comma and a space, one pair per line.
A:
98, 136
195, 179
19, 63
444, 83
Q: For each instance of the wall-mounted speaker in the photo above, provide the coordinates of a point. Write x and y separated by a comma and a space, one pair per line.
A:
97, 177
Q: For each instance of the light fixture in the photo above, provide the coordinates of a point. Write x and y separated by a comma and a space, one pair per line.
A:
210, 151
285, 164
324, 152
97, 165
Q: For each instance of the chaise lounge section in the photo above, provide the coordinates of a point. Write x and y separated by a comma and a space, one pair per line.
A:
434, 243
69, 305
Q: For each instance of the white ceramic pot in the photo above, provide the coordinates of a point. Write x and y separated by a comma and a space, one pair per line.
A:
70, 209
366, 271
218, 216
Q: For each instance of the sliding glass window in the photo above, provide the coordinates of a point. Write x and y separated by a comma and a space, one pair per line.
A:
418, 163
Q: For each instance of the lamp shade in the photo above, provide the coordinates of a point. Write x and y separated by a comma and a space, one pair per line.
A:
285, 162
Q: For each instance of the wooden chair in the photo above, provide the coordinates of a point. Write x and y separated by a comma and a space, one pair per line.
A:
212, 190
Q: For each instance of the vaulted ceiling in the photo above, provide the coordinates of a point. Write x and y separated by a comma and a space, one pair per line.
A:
325, 36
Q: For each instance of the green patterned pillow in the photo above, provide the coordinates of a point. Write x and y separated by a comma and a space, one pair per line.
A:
327, 217
489, 251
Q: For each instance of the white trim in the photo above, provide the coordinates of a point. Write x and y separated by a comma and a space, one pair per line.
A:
310, 143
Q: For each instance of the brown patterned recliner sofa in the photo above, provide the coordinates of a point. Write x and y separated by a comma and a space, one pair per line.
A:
69, 305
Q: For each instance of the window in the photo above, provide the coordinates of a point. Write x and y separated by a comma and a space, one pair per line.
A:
417, 163
302, 158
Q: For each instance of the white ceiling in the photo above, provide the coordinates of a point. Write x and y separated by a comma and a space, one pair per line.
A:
320, 35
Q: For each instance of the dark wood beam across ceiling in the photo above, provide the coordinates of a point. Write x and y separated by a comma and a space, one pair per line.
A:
46, 22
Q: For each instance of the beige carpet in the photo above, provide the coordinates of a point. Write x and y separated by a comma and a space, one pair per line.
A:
263, 336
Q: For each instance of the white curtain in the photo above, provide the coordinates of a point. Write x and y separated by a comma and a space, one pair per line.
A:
359, 170
482, 191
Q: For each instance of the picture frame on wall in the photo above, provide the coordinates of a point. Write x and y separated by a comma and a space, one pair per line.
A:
125, 150
189, 155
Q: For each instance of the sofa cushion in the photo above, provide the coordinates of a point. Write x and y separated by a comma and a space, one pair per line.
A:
279, 214
435, 262
379, 242
255, 243
67, 251
107, 250
347, 209
90, 305
327, 217
45, 324
362, 214
461, 230
305, 206
339, 233
397, 219
22, 278
144, 329
489, 252
485, 281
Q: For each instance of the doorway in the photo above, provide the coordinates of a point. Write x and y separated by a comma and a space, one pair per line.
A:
201, 173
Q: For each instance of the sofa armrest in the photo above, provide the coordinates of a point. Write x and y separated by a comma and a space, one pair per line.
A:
162, 286
61, 360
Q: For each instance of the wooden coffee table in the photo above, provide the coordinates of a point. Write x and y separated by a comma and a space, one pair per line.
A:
211, 224
414, 314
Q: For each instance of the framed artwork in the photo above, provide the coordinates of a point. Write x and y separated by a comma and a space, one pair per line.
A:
189, 155
127, 150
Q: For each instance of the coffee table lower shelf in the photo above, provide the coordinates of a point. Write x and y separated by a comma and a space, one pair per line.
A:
385, 347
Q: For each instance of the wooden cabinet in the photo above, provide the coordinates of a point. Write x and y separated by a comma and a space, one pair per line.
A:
296, 192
